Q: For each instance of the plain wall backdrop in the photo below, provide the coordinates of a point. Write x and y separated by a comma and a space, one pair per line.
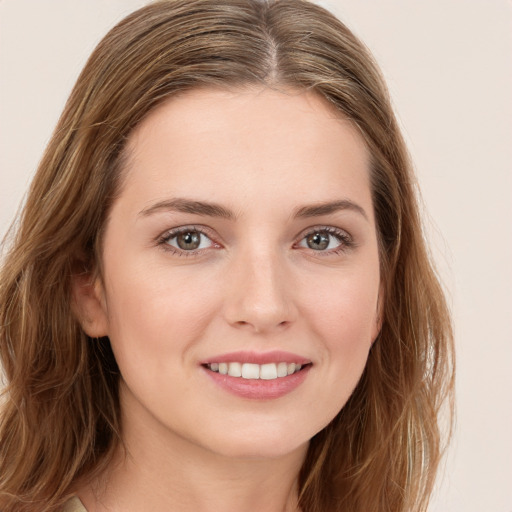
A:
448, 67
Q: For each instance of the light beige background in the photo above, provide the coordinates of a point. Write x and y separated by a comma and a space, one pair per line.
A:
448, 65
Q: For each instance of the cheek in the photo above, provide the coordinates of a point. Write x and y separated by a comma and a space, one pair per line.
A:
344, 317
345, 310
166, 312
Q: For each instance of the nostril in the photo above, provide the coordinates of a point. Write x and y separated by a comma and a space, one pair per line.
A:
260, 326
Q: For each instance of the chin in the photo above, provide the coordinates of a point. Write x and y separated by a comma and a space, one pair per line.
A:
272, 441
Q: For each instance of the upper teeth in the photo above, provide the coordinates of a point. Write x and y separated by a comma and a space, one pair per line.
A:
255, 371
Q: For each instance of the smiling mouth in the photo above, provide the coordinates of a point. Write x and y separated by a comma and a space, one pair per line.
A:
252, 371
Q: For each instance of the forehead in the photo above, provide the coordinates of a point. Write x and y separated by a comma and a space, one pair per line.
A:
207, 111
230, 142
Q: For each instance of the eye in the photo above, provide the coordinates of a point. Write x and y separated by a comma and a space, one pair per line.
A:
187, 240
326, 240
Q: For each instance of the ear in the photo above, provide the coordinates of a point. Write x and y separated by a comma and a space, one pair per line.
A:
89, 305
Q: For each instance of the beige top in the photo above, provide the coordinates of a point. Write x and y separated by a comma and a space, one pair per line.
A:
74, 505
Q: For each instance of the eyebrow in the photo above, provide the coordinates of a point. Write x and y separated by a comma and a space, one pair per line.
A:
215, 210
317, 210
189, 206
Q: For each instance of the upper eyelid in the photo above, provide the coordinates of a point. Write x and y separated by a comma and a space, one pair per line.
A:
214, 237
208, 231
163, 240
330, 229
345, 238
173, 232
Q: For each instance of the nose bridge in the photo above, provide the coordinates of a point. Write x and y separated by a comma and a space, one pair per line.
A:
260, 295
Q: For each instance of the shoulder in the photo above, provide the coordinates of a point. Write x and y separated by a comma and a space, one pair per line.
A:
74, 505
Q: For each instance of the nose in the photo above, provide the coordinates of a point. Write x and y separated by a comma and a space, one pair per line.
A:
259, 296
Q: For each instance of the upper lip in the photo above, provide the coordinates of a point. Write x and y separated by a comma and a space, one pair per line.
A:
274, 356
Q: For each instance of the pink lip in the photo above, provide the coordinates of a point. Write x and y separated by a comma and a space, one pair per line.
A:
258, 389
275, 356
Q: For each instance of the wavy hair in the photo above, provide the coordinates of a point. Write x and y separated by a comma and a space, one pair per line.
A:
60, 416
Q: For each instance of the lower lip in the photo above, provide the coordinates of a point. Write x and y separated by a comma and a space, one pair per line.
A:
259, 389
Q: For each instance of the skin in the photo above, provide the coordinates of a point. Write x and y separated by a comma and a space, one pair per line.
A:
255, 283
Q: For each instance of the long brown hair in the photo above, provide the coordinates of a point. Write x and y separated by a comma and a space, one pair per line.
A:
60, 417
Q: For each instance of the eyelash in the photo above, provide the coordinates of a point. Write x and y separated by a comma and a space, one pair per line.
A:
163, 241
346, 241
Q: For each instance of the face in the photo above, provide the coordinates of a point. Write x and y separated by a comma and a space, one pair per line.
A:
243, 241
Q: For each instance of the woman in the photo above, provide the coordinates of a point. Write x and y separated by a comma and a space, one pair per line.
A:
218, 296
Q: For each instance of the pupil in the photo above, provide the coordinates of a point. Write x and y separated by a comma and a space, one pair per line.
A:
318, 241
189, 240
